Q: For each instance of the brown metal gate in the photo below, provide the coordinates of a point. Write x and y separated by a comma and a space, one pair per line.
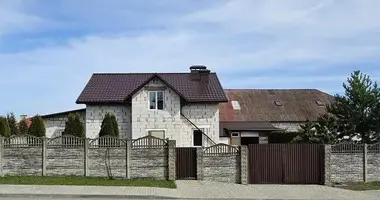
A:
186, 165
286, 163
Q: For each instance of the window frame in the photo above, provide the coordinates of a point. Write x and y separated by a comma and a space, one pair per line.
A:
152, 130
156, 99
202, 137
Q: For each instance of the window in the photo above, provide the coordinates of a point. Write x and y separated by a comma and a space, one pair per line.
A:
235, 138
197, 138
156, 100
157, 133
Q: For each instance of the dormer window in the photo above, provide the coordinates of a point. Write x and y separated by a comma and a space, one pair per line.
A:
156, 100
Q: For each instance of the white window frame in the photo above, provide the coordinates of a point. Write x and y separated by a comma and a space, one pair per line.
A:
149, 130
156, 94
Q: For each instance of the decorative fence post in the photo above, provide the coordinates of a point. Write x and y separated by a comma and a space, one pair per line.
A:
244, 164
128, 157
1, 155
365, 164
171, 160
86, 143
44, 147
327, 178
200, 163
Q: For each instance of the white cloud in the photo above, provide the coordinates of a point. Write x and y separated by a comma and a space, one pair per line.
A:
238, 35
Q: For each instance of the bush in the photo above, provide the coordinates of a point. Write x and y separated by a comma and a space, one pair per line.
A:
74, 126
5, 131
37, 127
109, 126
23, 127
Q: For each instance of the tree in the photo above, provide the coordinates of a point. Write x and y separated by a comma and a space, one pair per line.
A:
109, 126
74, 126
12, 123
23, 127
352, 116
37, 127
5, 131
115, 126
324, 131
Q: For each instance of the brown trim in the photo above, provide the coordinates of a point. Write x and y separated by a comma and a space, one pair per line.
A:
62, 113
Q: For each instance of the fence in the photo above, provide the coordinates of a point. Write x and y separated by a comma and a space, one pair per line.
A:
348, 162
146, 157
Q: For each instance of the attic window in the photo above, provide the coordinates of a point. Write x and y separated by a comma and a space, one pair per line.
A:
319, 103
235, 105
278, 103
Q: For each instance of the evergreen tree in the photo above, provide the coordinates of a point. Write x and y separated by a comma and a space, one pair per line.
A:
12, 123
5, 131
354, 115
23, 127
107, 127
115, 126
37, 127
74, 126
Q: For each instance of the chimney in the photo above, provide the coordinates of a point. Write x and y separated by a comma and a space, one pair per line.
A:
199, 73
23, 117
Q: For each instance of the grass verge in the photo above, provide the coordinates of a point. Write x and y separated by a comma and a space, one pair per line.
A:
49, 180
362, 186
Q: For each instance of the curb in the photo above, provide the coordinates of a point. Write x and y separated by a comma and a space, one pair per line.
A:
84, 196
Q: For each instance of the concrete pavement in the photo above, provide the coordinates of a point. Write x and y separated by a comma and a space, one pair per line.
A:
190, 190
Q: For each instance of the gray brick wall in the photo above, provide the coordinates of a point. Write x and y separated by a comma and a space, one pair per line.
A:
346, 167
149, 163
116, 159
65, 161
55, 125
373, 166
22, 160
221, 168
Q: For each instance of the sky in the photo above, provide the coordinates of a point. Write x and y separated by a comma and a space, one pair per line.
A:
49, 49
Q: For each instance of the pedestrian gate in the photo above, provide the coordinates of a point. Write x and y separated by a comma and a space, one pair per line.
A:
186, 165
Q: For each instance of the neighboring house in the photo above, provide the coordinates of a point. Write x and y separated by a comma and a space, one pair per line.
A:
250, 115
55, 122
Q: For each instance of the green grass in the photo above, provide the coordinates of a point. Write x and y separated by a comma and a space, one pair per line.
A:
362, 186
46, 180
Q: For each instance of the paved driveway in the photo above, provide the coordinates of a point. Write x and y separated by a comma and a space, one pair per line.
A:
204, 189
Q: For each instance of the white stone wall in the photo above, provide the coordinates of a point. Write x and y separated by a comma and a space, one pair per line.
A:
169, 119
224, 140
55, 125
288, 127
95, 115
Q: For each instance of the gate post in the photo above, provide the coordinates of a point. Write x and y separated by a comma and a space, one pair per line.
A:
327, 178
244, 164
200, 163
171, 160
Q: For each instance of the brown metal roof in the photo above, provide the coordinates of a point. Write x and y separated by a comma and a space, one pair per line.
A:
293, 105
119, 88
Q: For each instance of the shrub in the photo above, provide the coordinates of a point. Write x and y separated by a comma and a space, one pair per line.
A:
109, 126
37, 127
74, 126
4, 127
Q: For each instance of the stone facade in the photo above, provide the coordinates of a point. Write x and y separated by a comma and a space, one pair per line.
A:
287, 126
155, 163
55, 124
176, 127
64, 161
21, 161
373, 166
95, 115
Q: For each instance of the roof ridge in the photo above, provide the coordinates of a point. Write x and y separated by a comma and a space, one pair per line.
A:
142, 73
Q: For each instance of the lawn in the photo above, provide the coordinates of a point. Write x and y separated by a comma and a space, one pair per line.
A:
46, 180
362, 186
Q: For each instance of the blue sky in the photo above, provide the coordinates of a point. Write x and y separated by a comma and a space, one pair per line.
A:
49, 49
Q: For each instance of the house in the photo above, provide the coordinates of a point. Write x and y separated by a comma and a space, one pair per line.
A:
178, 106
191, 108
251, 115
